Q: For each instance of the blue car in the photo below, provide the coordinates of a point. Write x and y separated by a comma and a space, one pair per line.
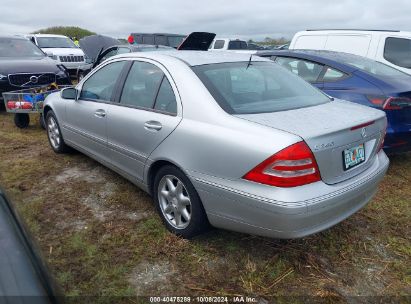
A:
360, 80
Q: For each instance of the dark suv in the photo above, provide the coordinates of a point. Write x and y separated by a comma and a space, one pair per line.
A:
173, 40
23, 65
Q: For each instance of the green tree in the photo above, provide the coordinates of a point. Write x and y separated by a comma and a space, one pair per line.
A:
70, 31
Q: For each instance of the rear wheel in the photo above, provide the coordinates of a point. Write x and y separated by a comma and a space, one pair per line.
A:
54, 134
178, 203
21, 120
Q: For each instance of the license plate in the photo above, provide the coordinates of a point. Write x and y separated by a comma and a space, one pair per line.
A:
353, 156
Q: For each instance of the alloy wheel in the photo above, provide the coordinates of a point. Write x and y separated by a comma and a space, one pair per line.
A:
175, 203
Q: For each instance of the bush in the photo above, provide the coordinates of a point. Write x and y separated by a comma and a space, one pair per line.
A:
70, 31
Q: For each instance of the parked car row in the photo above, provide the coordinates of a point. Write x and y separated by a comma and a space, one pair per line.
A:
24, 65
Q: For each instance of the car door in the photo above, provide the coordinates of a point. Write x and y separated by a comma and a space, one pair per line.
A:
86, 117
148, 110
308, 70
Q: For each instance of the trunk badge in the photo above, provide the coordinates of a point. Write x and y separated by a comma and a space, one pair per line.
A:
364, 132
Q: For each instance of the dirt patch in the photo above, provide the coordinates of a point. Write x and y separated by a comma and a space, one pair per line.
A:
89, 175
148, 276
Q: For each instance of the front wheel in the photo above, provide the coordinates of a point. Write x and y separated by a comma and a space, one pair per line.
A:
178, 203
54, 134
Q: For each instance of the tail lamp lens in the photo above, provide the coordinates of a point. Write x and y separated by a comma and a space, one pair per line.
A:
291, 167
390, 103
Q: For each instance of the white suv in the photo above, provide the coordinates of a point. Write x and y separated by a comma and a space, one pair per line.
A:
61, 49
230, 44
390, 47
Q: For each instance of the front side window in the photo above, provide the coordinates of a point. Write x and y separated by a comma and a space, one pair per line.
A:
141, 86
101, 84
259, 87
398, 51
16, 47
307, 70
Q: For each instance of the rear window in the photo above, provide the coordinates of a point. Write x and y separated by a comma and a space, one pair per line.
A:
370, 66
261, 87
237, 45
398, 51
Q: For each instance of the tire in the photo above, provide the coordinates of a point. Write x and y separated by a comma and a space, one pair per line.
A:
42, 122
54, 134
180, 209
21, 120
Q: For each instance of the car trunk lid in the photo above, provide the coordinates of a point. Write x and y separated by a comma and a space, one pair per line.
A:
330, 129
197, 41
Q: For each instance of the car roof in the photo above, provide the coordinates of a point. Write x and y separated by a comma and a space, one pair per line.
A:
331, 58
14, 37
159, 34
194, 58
49, 35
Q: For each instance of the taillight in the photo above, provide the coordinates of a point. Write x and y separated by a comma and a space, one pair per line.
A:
383, 138
130, 39
291, 167
390, 103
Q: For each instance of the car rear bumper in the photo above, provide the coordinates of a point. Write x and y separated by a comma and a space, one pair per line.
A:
236, 210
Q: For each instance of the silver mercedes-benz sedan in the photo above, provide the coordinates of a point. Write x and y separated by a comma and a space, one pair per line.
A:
230, 140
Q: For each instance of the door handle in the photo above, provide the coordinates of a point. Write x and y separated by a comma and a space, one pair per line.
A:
100, 113
153, 125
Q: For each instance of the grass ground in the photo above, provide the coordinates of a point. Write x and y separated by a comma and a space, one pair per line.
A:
102, 237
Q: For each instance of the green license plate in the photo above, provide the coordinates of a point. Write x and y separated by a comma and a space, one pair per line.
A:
353, 156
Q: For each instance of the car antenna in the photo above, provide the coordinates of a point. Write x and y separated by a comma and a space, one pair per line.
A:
249, 61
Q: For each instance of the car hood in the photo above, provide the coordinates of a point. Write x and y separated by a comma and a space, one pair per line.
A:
93, 45
64, 51
27, 65
197, 41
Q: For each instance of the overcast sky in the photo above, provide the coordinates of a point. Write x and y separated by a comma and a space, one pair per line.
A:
255, 19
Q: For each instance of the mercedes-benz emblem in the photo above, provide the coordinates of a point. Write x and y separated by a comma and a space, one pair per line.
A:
364, 132
34, 79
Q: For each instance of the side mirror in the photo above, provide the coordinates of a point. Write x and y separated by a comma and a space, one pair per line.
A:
69, 93
50, 54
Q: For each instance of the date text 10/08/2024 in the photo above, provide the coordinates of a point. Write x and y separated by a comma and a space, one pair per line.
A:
203, 299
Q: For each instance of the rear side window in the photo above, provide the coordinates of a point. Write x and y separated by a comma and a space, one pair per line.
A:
259, 87
218, 44
141, 86
166, 100
398, 51
161, 40
101, 84
148, 39
237, 45
307, 70
333, 75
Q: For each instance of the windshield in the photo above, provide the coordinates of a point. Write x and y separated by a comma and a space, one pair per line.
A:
260, 87
55, 42
15, 47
